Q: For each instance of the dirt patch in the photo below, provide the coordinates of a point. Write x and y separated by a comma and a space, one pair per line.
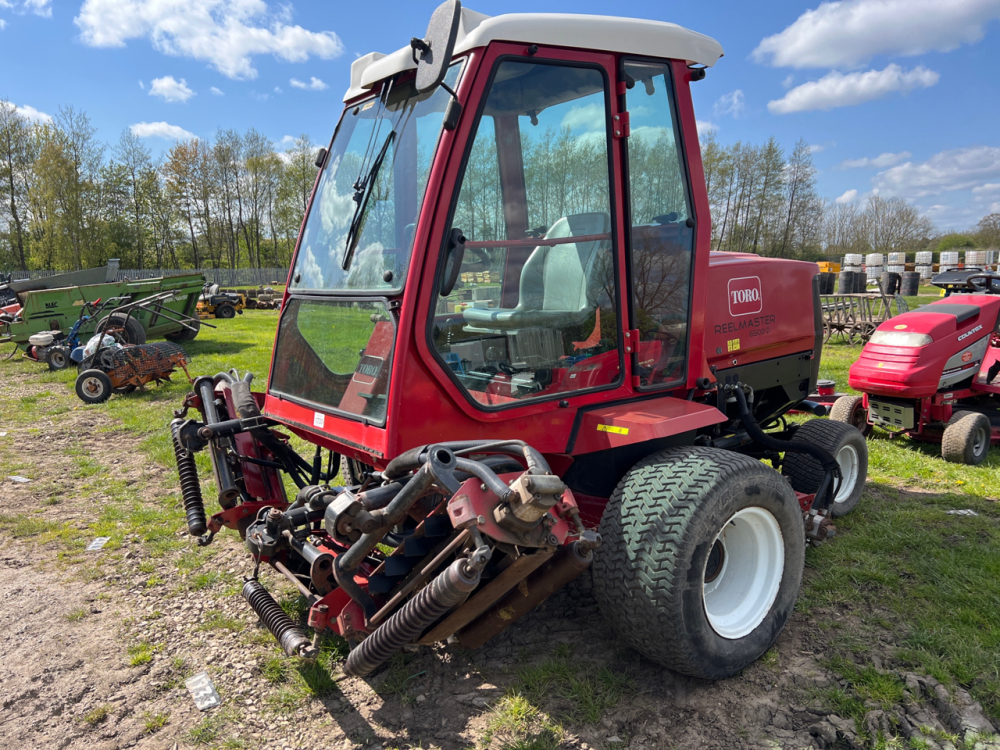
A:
98, 645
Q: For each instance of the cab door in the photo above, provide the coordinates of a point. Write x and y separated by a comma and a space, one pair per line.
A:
522, 298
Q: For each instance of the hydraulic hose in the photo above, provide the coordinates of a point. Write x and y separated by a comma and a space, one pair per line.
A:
830, 466
490, 479
194, 505
292, 639
414, 458
456, 582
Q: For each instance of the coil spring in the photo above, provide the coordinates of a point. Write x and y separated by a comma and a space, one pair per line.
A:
444, 592
194, 506
292, 640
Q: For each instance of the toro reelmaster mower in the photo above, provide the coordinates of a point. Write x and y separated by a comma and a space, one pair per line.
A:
503, 328
932, 374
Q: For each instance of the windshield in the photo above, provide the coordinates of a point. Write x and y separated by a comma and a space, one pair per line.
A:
371, 190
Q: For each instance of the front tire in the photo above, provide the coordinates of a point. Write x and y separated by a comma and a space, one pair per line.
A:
701, 561
185, 334
851, 410
132, 331
966, 439
93, 387
225, 311
845, 444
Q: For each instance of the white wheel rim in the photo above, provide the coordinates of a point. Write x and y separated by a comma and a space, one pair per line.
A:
743, 589
848, 461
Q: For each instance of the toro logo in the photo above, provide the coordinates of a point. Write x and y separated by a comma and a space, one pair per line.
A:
368, 370
744, 296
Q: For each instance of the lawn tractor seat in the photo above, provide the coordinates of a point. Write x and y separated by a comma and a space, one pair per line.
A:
558, 284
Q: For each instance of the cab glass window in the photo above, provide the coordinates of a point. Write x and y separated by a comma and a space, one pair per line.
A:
662, 242
534, 309
335, 354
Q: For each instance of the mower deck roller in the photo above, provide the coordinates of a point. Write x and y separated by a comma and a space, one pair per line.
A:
566, 385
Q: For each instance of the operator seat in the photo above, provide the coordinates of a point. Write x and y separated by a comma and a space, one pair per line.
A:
558, 284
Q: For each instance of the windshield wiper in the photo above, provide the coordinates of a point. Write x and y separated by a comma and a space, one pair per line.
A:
362, 193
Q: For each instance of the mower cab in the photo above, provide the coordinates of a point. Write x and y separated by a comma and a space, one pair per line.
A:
502, 328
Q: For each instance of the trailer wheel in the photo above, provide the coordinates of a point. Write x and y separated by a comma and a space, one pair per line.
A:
845, 444
132, 330
966, 439
57, 358
701, 561
93, 387
851, 409
185, 334
225, 311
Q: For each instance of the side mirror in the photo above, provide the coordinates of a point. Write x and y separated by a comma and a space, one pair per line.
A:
432, 54
453, 263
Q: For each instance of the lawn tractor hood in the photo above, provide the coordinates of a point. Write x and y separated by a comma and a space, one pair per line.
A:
932, 348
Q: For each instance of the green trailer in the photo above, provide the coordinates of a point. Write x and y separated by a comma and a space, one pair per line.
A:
45, 310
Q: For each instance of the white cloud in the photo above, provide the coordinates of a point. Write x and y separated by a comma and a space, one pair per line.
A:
733, 103
589, 117
789, 80
847, 197
278, 90
227, 34
882, 161
3, 24
217, 92
31, 113
851, 32
142, 85
170, 89
287, 140
705, 127
959, 169
816, 148
837, 89
161, 130
314, 84
989, 187
38, 7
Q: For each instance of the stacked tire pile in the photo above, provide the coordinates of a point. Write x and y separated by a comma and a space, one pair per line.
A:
852, 282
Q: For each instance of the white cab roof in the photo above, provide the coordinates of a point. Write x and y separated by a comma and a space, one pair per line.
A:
606, 33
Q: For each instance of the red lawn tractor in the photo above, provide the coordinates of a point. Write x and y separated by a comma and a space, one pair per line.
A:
931, 374
504, 330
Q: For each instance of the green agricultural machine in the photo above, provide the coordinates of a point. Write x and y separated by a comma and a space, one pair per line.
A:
96, 307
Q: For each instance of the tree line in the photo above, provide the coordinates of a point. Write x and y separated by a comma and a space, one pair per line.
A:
69, 201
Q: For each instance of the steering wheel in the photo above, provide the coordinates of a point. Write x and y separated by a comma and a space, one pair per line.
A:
984, 283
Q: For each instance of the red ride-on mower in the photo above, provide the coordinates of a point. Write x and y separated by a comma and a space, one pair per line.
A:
503, 318
932, 374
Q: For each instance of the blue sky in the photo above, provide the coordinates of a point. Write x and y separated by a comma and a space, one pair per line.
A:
898, 96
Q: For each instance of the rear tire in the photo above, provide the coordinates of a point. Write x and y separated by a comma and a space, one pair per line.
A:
966, 439
851, 410
844, 443
701, 561
185, 334
93, 387
225, 311
132, 330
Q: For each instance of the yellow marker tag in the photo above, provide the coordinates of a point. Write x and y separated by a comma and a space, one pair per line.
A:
733, 344
880, 364
369, 105
612, 428
899, 327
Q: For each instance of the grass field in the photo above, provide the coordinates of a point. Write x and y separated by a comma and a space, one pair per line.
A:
903, 584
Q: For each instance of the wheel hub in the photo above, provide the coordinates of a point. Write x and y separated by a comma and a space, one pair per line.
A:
849, 463
92, 386
743, 572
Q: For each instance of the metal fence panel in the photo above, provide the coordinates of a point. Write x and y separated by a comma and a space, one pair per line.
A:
225, 277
